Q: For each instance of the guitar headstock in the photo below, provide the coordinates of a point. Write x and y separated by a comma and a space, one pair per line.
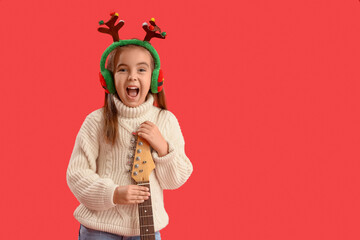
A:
143, 161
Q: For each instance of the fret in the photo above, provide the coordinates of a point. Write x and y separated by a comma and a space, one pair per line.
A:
146, 206
146, 210
146, 221
148, 234
147, 230
146, 225
147, 237
143, 217
146, 202
144, 184
145, 213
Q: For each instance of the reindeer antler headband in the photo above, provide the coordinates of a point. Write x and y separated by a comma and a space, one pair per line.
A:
152, 31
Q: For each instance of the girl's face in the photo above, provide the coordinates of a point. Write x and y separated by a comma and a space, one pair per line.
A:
132, 76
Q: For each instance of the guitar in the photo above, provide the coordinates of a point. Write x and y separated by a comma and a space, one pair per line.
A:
142, 166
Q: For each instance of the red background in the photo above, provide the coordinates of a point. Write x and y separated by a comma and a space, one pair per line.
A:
266, 93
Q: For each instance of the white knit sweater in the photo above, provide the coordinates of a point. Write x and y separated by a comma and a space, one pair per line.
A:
97, 168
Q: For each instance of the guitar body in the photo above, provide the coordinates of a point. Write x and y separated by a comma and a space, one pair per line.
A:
142, 167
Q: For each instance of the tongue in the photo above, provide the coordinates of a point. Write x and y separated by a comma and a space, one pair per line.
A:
132, 92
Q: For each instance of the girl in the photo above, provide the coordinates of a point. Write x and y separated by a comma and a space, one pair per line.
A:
98, 172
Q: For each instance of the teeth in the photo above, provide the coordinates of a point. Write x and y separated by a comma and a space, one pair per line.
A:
133, 87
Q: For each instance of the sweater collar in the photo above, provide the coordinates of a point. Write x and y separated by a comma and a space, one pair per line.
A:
133, 112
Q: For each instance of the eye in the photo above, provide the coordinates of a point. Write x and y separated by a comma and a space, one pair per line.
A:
142, 70
122, 70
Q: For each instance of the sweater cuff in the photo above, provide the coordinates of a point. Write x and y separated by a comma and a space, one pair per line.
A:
109, 196
166, 158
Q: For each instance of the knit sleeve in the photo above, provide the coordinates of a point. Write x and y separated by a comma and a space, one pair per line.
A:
173, 169
93, 191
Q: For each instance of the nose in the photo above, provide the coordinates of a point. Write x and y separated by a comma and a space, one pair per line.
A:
133, 76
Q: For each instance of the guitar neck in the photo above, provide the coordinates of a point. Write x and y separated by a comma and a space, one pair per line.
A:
147, 231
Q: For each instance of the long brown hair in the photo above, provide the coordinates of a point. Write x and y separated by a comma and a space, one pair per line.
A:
110, 112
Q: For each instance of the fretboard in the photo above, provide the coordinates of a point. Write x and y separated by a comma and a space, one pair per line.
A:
147, 231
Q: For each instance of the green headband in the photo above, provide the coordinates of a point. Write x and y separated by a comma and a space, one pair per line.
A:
106, 77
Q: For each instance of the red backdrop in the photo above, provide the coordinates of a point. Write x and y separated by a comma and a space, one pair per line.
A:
266, 93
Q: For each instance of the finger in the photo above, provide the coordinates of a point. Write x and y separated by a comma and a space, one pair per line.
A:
139, 198
146, 189
141, 188
147, 136
134, 201
145, 127
142, 197
148, 123
146, 131
143, 193
136, 197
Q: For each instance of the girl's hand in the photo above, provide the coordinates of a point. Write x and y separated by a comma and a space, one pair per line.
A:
150, 132
131, 194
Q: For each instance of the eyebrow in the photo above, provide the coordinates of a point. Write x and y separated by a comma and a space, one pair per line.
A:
140, 63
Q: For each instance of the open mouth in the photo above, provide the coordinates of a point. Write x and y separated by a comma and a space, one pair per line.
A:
132, 91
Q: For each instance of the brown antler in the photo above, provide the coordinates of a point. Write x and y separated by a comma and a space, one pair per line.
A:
112, 30
151, 31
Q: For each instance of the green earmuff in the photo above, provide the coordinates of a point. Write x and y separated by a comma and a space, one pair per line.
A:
106, 77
